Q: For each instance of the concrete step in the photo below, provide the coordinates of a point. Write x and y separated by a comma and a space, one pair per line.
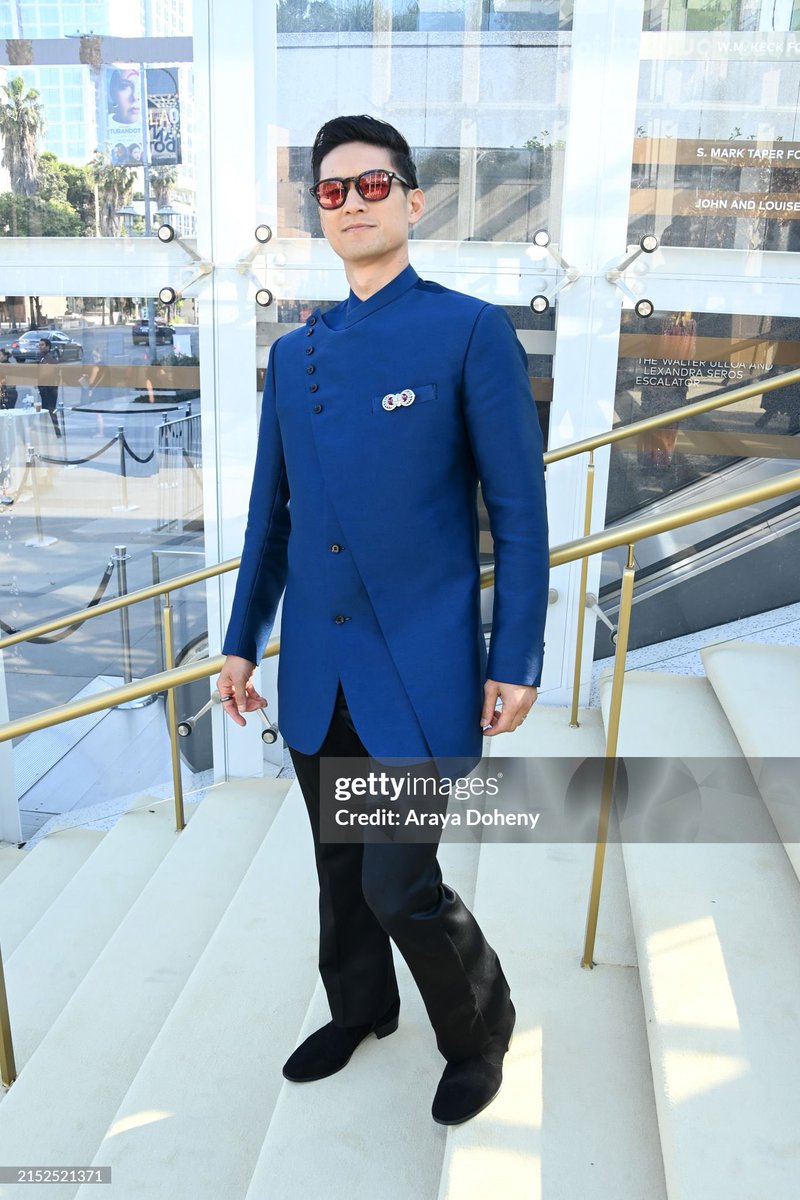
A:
82, 1069
10, 857
211, 1077
366, 1131
51, 961
576, 1115
758, 684
39, 878
715, 925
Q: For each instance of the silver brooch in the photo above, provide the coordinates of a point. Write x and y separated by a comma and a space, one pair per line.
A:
398, 399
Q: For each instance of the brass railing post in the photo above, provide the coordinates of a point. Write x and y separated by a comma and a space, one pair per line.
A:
610, 766
8, 1070
587, 526
172, 713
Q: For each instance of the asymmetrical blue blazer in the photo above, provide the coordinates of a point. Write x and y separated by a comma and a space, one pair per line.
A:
366, 514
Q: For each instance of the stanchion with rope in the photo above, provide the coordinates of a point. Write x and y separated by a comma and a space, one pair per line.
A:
40, 539
120, 559
57, 637
61, 417
76, 462
123, 475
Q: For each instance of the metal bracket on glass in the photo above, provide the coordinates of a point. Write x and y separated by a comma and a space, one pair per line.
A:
170, 295
643, 307
264, 296
593, 606
542, 302
166, 233
269, 733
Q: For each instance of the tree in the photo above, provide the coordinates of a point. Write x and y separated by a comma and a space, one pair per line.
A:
115, 188
162, 181
33, 216
22, 123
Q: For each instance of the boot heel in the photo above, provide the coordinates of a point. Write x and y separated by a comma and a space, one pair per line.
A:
387, 1027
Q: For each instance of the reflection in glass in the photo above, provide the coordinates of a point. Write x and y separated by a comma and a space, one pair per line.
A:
676, 358
411, 16
716, 159
471, 195
100, 448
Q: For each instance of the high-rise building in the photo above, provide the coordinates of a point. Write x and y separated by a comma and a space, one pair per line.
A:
68, 93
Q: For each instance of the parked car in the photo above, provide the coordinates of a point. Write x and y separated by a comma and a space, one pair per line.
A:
26, 347
141, 332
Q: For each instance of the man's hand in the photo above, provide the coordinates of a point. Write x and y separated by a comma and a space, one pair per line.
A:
517, 699
236, 681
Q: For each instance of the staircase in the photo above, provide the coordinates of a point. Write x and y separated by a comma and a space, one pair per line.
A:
157, 981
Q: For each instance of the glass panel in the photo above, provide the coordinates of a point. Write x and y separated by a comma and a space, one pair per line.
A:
100, 450
112, 144
722, 568
716, 158
485, 121
362, 16
673, 359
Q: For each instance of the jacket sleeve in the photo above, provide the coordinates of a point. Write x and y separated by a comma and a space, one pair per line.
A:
507, 445
264, 565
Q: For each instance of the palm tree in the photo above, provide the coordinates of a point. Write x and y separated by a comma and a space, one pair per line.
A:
114, 190
22, 123
162, 181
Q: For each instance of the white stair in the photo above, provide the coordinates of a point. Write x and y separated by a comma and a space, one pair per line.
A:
717, 927
157, 982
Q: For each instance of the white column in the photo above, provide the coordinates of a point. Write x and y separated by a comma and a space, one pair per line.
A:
224, 45
602, 105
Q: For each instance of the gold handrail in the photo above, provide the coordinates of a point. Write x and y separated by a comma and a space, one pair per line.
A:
620, 434
586, 445
673, 417
163, 587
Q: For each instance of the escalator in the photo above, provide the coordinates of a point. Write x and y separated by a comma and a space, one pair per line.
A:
712, 571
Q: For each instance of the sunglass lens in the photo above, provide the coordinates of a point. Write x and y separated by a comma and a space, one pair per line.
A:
374, 185
330, 193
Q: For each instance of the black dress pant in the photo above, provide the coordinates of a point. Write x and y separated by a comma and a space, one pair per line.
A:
372, 891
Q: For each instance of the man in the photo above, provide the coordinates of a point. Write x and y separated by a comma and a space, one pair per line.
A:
379, 416
49, 391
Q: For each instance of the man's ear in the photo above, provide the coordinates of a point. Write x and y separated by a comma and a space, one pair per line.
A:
416, 205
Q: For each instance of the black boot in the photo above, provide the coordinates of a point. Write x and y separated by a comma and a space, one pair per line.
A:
469, 1085
330, 1048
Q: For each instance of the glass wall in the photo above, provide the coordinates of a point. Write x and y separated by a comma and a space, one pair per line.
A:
520, 119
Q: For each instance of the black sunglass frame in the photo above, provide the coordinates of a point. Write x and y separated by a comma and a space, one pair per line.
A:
356, 179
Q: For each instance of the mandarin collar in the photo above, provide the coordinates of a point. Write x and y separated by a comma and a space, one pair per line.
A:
356, 310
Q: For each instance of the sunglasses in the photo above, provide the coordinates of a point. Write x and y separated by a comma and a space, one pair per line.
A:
370, 185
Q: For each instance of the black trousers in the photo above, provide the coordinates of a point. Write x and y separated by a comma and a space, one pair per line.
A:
373, 891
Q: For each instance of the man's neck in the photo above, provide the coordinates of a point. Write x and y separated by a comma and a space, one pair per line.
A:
368, 278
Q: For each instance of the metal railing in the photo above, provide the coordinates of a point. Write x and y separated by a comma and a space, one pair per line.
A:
582, 548
620, 434
168, 680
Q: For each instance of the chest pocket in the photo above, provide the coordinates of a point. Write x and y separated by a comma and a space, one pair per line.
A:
395, 407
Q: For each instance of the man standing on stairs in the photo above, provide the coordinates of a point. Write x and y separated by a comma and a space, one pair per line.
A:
379, 417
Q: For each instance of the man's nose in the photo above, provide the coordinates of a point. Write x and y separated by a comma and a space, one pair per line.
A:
352, 198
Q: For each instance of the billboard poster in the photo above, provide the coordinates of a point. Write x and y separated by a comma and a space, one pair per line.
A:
163, 116
122, 88
142, 115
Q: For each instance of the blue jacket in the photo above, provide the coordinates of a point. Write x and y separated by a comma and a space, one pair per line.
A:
366, 513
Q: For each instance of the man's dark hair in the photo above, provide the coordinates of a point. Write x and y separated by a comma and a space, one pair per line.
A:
340, 130
47, 342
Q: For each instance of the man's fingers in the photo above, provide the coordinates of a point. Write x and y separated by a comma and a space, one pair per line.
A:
490, 693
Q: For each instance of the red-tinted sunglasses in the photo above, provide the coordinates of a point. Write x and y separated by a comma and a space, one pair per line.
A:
370, 185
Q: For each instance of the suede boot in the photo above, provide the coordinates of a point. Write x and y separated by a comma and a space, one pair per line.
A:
469, 1085
330, 1048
